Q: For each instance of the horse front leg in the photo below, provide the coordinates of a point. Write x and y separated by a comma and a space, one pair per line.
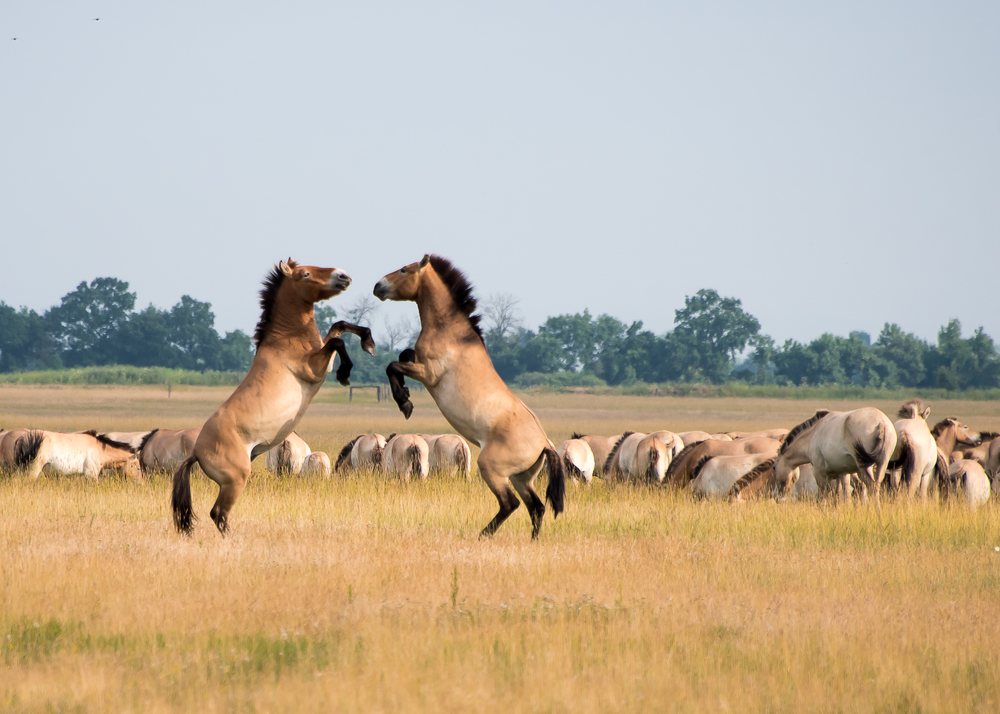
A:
318, 362
367, 343
407, 366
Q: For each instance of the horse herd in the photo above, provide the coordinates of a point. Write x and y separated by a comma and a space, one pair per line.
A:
833, 452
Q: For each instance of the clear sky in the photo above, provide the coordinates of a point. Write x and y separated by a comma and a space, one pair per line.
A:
834, 165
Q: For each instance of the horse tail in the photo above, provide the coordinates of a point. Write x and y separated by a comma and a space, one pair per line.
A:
570, 468
180, 501
345, 453
941, 473
377, 453
414, 452
463, 461
555, 493
864, 457
907, 460
26, 448
654, 460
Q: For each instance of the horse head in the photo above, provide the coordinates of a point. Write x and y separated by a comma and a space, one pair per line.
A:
312, 283
402, 284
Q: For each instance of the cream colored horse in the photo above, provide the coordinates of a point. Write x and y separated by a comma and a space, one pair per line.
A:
647, 456
578, 459
451, 361
167, 449
714, 476
363, 451
448, 453
776, 434
406, 455
915, 460
968, 482
289, 368
839, 443
85, 453
133, 438
682, 468
600, 446
293, 456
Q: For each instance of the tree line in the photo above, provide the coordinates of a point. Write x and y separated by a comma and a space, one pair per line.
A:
97, 324
714, 340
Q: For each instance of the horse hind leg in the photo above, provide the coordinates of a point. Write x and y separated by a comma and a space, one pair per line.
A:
232, 479
506, 497
523, 484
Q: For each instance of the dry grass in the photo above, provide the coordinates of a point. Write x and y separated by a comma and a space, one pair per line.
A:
361, 594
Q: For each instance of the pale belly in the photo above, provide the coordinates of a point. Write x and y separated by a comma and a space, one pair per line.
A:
473, 419
265, 419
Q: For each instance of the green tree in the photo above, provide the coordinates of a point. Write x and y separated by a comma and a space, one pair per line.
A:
86, 325
904, 350
192, 333
24, 342
710, 331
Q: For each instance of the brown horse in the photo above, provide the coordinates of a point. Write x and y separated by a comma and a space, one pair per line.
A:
451, 361
290, 366
167, 449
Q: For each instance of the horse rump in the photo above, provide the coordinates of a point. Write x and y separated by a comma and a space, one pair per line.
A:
570, 468
180, 500
907, 461
654, 460
555, 492
26, 448
864, 457
414, 452
345, 453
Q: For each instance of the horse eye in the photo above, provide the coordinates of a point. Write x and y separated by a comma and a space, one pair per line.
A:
305, 275
403, 271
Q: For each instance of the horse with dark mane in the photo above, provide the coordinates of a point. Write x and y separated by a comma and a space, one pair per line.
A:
451, 361
290, 366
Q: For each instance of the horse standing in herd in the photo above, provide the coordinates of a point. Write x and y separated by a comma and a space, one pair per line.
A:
290, 366
450, 360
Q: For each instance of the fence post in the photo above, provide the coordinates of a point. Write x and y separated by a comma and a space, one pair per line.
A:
350, 396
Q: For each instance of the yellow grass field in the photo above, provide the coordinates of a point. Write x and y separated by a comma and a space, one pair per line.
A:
362, 594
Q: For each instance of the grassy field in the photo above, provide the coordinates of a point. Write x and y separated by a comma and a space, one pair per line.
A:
357, 593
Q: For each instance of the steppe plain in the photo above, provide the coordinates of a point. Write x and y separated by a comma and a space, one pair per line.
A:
363, 593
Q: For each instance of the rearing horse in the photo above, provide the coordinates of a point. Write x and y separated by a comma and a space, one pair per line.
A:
452, 362
290, 366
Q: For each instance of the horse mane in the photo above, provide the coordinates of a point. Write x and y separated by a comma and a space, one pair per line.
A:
756, 478
987, 436
389, 438
345, 452
820, 413
676, 461
942, 425
911, 409
460, 289
576, 435
614, 450
145, 440
111, 442
700, 465
268, 296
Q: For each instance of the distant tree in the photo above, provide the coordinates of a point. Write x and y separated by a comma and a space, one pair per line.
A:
502, 316
145, 340
24, 342
710, 331
235, 352
87, 322
192, 333
906, 351
325, 316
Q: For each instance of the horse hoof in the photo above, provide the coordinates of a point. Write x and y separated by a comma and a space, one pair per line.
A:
407, 408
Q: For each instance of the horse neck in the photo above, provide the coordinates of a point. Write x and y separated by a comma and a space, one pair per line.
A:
114, 455
797, 452
292, 316
947, 441
435, 304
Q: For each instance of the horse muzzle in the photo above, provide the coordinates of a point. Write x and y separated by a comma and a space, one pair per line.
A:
339, 280
382, 289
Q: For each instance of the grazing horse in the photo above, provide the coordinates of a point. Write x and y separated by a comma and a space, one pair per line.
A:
981, 453
132, 438
578, 459
916, 458
715, 475
363, 451
967, 480
289, 456
839, 443
993, 459
316, 464
86, 453
601, 447
451, 361
406, 455
448, 452
777, 434
682, 468
167, 449
290, 366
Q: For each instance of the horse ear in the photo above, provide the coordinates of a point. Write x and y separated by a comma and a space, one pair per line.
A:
926, 413
425, 260
285, 268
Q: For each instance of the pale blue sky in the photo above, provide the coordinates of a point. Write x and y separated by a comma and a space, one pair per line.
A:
834, 165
